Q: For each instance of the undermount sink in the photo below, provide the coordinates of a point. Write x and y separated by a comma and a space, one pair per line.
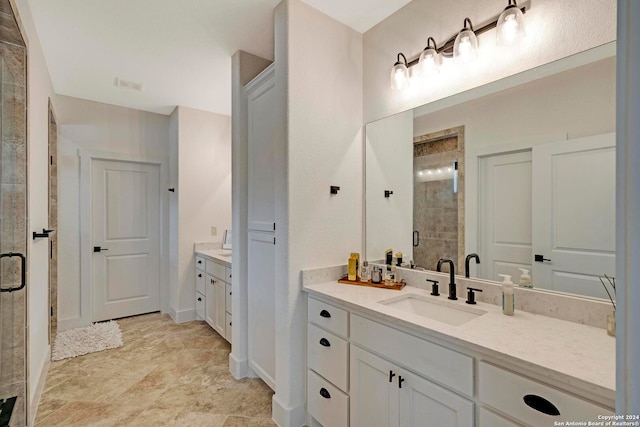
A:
435, 310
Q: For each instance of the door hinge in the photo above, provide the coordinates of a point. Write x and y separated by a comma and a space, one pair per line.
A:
50, 249
274, 240
51, 311
51, 160
274, 226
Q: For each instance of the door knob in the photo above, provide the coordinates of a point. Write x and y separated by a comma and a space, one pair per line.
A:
540, 258
99, 249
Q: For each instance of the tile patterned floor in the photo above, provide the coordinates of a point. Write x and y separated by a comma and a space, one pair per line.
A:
166, 374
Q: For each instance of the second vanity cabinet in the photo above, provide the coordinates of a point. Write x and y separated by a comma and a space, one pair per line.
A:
364, 373
213, 295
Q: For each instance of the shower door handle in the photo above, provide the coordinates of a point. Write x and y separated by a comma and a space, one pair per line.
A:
416, 238
23, 274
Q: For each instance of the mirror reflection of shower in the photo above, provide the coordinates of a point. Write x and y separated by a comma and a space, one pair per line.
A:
435, 200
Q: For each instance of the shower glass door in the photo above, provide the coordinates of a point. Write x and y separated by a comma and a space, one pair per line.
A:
13, 220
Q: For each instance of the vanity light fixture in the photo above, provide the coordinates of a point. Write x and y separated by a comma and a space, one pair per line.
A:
429, 61
400, 73
510, 28
465, 48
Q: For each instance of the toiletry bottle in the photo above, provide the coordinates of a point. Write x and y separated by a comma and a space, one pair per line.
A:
356, 255
365, 273
351, 270
399, 259
508, 301
376, 275
525, 279
388, 256
390, 279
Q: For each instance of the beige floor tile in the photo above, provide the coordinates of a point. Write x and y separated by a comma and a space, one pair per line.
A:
166, 374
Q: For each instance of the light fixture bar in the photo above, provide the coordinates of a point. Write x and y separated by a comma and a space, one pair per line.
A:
447, 49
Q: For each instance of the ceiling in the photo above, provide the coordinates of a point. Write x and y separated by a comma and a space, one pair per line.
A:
179, 50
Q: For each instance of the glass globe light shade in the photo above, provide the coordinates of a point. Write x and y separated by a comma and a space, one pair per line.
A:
429, 62
465, 48
399, 76
510, 29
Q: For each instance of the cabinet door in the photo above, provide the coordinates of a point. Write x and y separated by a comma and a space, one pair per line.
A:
219, 316
262, 122
261, 305
424, 404
210, 305
374, 390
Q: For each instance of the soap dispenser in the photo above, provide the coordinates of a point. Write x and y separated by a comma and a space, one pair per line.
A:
525, 279
508, 301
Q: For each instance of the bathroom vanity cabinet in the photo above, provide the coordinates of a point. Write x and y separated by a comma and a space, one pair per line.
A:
213, 293
369, 371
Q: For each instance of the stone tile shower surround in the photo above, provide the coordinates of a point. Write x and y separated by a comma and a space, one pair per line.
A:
438, 212
13, 210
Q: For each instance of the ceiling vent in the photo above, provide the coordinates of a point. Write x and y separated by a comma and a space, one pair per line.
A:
124, 84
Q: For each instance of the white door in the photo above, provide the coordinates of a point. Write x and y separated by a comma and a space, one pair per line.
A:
262, 122
505, 215
574, 214
424, 404
125, 223
374, 390
261, 305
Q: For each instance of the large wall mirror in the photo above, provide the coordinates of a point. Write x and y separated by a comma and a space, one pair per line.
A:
520, 172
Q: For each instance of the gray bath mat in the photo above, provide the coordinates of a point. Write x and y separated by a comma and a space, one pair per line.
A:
79, 341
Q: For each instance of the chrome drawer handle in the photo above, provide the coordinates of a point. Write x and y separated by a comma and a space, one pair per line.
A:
541, 404
325, 342
324, 393
325, 313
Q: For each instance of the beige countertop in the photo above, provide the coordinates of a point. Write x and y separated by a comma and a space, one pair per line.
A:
222, 256
576, 354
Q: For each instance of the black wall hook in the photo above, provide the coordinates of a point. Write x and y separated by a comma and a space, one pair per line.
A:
334, 189
173, 190
43, 235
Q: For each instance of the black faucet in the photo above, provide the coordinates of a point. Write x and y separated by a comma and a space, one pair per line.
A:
466, 263
452, 280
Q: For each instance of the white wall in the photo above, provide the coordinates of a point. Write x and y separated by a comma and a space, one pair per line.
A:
39, 91
94, 126
555, 29
319, 79
203, 194
389, 166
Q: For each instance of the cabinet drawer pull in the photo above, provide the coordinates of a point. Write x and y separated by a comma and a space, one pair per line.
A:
325, 393
400, 381
200, 275
391, 375
325, 342
199, 261
199, 299
325, 313
541, 404
213, 282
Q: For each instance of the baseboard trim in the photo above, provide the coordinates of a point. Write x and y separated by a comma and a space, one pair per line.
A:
182, 315
263, 375
288, 417
240, 368
33, 411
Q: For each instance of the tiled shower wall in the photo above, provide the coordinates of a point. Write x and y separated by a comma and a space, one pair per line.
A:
438, 213
13, 211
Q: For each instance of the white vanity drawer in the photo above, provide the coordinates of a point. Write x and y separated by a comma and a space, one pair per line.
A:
228, 327
200, 305
200, 281
448, 367
489, 419
327, 354
227, 301
200, 263
506, 392
331, 318
325, 402
218, 270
